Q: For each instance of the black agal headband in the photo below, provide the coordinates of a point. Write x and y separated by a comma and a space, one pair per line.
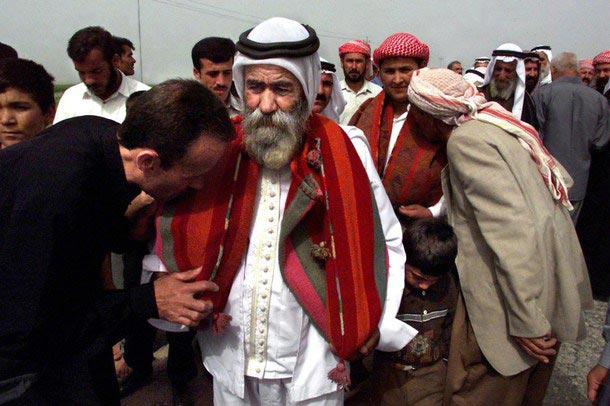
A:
514, 54
327, 66
294, 49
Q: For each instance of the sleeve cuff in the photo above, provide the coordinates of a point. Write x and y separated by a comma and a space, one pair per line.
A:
604, 358
142, 301
394, 335
439, 208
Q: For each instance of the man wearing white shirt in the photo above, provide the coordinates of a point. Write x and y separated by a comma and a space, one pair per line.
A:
262, 231
408, 164
356, 63
104, 89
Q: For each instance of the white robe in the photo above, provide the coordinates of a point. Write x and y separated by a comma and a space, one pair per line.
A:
224, 356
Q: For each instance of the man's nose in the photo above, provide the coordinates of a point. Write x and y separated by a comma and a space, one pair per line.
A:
267, 103
223, 80
89, 80
6, 117
197, 184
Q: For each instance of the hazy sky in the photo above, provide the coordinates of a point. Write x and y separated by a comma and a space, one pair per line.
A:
462, 30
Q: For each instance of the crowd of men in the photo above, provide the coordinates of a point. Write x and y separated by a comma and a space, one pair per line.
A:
295, 223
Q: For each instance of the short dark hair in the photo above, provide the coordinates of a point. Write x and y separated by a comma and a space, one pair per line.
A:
171, 116
28, 77
418, 61
132, 98
90, 38
216, 49
452, 63
431, 246
118, 43
7, 51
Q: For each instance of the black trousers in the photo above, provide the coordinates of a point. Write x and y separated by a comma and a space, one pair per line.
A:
139, 342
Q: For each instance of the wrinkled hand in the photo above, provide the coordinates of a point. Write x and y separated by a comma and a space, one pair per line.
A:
175, 296
595, 379
415, 211
539, 348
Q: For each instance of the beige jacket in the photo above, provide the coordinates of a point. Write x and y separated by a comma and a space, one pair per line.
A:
520, 264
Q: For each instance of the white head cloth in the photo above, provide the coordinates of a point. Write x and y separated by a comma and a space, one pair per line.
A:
337, 102
475, 78
543, 48
281, 30
520, 90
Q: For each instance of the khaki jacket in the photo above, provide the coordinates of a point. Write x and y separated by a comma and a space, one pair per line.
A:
519, 261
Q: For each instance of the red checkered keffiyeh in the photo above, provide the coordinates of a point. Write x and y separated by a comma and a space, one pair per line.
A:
448, 97
603, 57
585, 64
402, 44
355, 45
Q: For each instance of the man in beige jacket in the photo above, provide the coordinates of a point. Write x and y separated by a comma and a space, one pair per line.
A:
523, 278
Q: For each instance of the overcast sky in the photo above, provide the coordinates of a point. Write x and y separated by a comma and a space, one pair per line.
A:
168, 29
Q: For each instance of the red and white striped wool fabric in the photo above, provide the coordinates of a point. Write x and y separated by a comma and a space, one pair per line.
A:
450, 98
355, 45
402, 44
602, 57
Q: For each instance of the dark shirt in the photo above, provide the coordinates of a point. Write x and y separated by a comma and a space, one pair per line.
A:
431, 313
62, 199
528, 113
574, 119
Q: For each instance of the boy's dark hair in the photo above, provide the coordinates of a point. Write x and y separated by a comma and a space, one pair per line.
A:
85, 40
431, 246
216, 49
118, 43
28, 77
7, 51
171, 116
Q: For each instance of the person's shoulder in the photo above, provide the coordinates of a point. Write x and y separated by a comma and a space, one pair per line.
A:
471, 134
356, 136
74, 91
80, 131
373, 88
84, 123
135, 85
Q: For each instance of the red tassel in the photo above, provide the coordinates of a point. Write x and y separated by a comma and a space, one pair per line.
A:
221, 321
340, 375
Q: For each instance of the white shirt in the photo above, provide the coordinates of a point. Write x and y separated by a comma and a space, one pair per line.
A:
269, 335
80, 101
397, 124
355, 99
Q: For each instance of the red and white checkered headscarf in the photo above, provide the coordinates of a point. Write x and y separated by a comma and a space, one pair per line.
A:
402, 44
585, 64
602, 57
355, 45
450, 98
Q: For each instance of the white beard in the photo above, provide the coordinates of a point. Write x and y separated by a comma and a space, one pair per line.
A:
273, 139
505, 93
545, 71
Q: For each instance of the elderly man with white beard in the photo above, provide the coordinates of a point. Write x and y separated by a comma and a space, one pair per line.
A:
297, 231
546, 56
505, 83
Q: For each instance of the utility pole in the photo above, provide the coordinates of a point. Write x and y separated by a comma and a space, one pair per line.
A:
140, 47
